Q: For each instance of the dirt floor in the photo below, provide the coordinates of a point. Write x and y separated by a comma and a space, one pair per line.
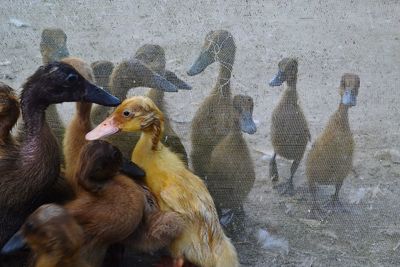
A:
328, 37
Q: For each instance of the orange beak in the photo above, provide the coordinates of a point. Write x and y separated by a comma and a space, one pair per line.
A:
106, 128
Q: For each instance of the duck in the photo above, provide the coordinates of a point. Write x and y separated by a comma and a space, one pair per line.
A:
53, 47
212, 121
30, 173
102, 70
230, 181
9, 114
109, 205
126, 75
153, 56
203, 241
331, 157
289, 129
54, 237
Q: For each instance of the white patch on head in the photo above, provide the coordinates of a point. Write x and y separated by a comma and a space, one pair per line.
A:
53, 69
48, 212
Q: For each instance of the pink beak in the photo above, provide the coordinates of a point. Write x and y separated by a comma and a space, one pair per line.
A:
106, 128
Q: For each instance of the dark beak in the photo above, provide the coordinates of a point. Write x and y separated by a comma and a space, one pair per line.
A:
158, 82
171, 77
131, 169
201, 63
95, 94
247, 124
278, 79
16, 243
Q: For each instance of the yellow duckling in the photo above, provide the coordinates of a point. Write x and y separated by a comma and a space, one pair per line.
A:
202, 241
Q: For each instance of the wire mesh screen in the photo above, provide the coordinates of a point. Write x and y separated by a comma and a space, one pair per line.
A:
272, 126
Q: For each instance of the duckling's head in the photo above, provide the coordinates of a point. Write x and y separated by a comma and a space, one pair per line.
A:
153, 56
81, 66
53, 45
9, 104
287, 72
48, 230
137, 113
218, 46
243, 106
98, 163
102, 70
134, 73
348, 90
59, 82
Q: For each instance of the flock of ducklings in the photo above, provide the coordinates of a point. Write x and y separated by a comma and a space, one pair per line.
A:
133, 192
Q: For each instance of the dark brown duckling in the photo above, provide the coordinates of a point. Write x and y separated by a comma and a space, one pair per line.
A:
102, 70
33, 170
230, 181
9, 114
331, 157
213, 119
289, 128
126, 75
53, 47
110, 205
54, 237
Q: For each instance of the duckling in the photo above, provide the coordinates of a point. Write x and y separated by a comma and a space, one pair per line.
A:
153, 56
53, 47
110, 205
202, 241
54, 237
213, 119
9, 114
102, 70
230, 181
289, 129
331, 157
126, 75
28, 174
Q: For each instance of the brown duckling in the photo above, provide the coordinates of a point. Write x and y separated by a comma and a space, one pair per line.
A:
230, 181
110, 206
53, 47
126, 75
289, 129
331, 157
153, 56
9, 114
54, 237
29, 174
102, 70
213, 119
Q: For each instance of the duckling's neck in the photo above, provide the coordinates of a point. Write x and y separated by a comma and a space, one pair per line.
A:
342, 117
5, 128
34, 117
83, 112
290, 93
224, 78
157, 96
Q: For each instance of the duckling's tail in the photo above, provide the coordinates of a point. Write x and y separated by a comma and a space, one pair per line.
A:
227, 257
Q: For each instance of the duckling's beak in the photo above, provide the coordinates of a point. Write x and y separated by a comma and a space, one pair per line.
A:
16, 243
277, 80
95, 94
131, 169
246, 123
201, 63
160, 83
349, 98
173, 78
106, 128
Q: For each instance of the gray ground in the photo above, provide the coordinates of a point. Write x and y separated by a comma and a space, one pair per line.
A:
328, 37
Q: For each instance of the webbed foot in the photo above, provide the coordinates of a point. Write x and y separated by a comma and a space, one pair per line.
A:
316, 213
285, 188
335, 205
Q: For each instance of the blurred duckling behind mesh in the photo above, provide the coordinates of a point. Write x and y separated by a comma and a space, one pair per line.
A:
289, 129
331, 157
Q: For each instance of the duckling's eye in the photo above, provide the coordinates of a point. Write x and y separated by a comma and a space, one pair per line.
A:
71, 78
127, 113
29, 227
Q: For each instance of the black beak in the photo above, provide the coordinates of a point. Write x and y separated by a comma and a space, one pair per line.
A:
171, 77
16, 243
132, 170
95, 94
201, 63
